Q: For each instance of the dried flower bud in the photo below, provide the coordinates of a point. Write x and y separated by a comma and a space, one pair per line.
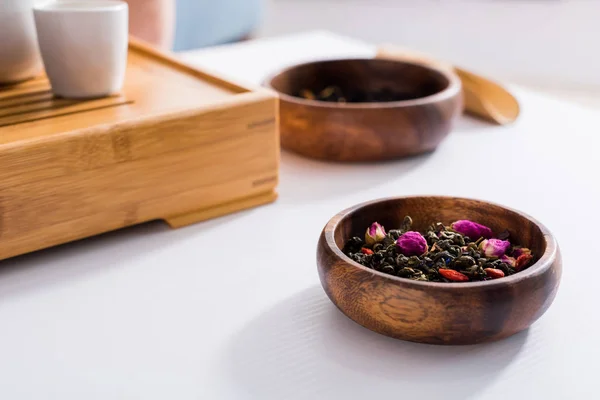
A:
374, 234
511, 261
494, 247
518, 251
412, 244
522, 261
472, 229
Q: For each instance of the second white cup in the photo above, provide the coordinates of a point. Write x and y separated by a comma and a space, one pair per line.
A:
19, 54
84, 46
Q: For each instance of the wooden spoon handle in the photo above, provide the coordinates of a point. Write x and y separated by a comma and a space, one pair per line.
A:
483, 98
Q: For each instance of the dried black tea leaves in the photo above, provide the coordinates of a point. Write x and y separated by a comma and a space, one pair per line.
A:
465, 251
336, 95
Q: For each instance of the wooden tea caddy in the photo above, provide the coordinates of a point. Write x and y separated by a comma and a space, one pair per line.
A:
178, 144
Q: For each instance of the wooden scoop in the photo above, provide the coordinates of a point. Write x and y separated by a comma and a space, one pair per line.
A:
483, 98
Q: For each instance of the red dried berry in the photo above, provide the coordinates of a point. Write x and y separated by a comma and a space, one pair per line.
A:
364, 250
453, 275
522, 261
494, 273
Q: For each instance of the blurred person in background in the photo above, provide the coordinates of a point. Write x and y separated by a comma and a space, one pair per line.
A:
188, 24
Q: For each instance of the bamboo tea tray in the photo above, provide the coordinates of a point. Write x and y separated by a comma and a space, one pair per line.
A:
178, 144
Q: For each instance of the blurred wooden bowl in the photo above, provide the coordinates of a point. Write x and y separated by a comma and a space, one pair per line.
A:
436, 312
431, 100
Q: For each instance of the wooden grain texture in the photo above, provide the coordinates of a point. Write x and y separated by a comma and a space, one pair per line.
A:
434, 312
483, 97
178, 144
17, 111
177, 221
356, 132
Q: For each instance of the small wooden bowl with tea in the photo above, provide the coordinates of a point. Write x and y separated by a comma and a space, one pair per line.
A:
406, 267
356, 110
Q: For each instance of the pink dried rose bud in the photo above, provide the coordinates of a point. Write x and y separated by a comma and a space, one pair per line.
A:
519, 251
511, 261
472, 229
375, 233
412, 244
494, 247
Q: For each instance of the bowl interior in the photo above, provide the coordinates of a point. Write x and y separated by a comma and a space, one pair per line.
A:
427, 210
362, 79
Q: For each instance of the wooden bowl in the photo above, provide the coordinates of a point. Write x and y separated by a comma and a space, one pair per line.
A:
436, 312
366, 131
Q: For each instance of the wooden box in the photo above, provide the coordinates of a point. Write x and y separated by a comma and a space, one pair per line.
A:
178, 144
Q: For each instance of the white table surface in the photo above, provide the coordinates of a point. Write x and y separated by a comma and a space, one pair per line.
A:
222, 310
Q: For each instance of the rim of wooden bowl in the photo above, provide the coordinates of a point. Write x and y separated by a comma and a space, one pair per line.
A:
539, 267
454, 86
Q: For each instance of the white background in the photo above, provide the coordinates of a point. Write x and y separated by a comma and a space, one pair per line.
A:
546, 43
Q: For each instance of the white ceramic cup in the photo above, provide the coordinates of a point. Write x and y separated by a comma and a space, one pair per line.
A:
84, 46
19, 54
